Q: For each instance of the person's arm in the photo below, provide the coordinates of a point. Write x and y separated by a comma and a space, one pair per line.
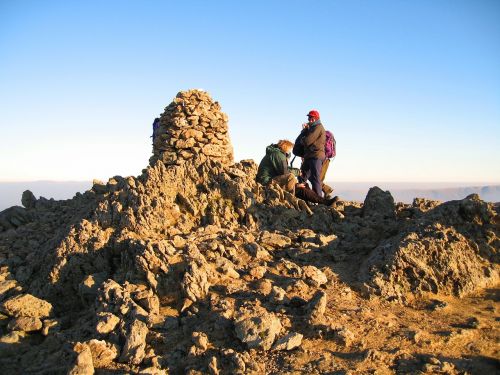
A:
312, 136
280, 164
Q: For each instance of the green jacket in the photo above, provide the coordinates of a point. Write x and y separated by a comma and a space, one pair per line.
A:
272, 165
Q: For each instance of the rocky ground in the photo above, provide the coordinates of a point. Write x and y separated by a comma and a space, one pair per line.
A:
193, 267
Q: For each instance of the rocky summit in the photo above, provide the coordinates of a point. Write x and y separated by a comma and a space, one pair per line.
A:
194, 268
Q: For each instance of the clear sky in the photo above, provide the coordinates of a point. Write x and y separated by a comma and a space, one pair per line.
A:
411, 89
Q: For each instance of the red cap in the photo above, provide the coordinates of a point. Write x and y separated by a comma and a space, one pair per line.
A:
313, 113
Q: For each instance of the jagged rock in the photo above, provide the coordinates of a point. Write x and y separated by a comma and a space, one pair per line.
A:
83, 363
316, 307
103, 352
278, 295
89, 286
434, 255
314, 276
14, 217
274, 240
258, 331
135, 343
106, 322
5, 287
344, 336
25, 324
379, 203
28, 199
288, 342
27, 305
200, 339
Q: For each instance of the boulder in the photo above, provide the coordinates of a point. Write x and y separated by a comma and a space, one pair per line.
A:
258, 331
27, 305
135, 343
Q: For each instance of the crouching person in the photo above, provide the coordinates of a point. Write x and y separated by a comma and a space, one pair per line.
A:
274, 166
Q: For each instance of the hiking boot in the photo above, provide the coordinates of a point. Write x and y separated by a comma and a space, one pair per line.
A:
332, 201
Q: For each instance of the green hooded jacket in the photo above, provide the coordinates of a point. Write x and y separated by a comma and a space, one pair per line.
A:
272, 165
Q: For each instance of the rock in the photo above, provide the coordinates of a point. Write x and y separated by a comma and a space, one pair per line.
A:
258, 331
314, 276
345, 337
83, 363
258, 272
264, 286
274, 240
25, 323
379, 203
135, 343
288, 342
212, 366
14, 217
49, 325
28, 199
278, 295
89, 286
192, 121
103, 353
200, 339
316, 307
27, 305
5, 287
433, 255
257, 251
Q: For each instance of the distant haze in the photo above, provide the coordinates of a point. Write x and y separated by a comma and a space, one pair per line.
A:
10, 192
407, 191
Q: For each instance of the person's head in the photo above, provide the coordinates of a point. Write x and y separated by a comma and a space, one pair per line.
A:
312, 116
285, 146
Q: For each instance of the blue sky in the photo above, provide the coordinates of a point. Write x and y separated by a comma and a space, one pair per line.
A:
411, 89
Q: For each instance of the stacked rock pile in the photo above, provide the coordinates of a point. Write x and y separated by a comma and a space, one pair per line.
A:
192, 128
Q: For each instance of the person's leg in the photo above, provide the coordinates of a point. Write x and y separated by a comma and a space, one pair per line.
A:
324, 168
314, 177
310, 196
286, 181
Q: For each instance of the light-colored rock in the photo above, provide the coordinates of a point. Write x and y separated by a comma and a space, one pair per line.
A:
135, 343
106, 323
314, 276
288, 342
83, 362
258, 331
103, 353
25, 323
316, 307
27, 305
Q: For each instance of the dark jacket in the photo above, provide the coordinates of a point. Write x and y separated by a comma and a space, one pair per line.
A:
313, 141
272, 165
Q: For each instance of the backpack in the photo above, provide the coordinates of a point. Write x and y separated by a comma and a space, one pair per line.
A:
156, 126
330, 145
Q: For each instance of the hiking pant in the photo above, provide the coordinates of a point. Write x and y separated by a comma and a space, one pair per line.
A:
308, 195
327, 190
312, 172
286, 181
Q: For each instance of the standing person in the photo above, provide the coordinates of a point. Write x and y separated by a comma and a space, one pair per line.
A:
311, 145
274, 166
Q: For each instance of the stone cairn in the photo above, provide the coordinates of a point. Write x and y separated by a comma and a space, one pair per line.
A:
192, 128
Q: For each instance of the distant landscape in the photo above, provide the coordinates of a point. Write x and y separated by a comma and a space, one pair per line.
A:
10, 192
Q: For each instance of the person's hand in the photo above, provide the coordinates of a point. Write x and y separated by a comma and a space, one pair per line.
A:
301, 185
305, 125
